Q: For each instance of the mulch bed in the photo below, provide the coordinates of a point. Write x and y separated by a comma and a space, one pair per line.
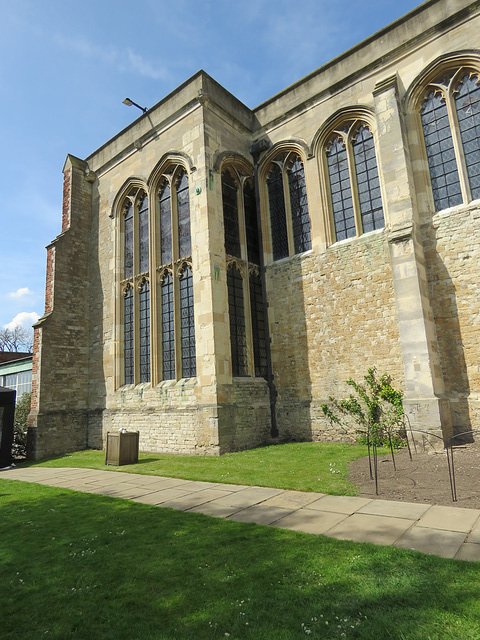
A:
424, 479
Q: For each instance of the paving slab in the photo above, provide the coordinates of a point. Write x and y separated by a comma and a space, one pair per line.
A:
310, 521
248, 497
361, 527
409, 510
194, 499
432, 541
474, 535
260, 514
449, 518
292, 499
215, 510
339, 504
469, 551
159, 497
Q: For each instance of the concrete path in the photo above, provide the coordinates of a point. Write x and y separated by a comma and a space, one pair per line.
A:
451, 532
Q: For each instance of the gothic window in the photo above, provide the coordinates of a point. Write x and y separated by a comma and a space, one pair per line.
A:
288, 205
136, 292
236, 310
168, 328
450, 116
258, 325
177, 344
355, 197
189, 367
230, 214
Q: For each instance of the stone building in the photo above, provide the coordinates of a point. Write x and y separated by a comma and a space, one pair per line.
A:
169, 310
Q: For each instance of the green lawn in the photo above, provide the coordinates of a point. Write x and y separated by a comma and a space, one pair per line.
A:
81, 566
305, 466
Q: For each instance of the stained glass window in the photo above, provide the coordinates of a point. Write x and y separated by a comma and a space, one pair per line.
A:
368, 183
128, 242
251, 223
230, 214
236, 309
144, 303
187, 327
299, 206
258, 326
165, 212
168, 328
341, 190
129, 366
278, 218
183, 212
143, 234
467, 103
440, 152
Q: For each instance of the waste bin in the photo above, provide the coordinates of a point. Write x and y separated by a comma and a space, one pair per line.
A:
7, 415
122, 447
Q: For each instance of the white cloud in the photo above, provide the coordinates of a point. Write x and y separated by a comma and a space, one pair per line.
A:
19, 293
125, 60
23, 319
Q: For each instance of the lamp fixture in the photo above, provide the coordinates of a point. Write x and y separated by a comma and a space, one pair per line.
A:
129, 103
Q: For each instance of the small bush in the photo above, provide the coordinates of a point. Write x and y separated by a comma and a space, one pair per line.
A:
22, 409
377, 409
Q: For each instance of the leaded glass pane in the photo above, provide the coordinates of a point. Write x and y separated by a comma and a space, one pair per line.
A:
440, 152
168, 329
128, 243
187, 329
236, 310
129, 368
183, 210
370, 201
299, 206
467, 103
144, 303
340, 190
165, 206
251, 223
258, 326
278, 219
143, 234
230, 215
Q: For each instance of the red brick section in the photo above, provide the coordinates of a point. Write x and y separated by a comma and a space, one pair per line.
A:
50, 276
66, 199
36, 356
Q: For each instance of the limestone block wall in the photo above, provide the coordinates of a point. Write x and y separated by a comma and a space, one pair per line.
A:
452, 255
334, 319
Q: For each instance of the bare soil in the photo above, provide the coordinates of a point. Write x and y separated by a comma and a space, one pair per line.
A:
424, 479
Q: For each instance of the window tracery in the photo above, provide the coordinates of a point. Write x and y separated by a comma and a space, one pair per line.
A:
450, 117
355, 196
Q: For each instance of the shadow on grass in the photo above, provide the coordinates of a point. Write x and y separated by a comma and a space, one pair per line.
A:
86, 566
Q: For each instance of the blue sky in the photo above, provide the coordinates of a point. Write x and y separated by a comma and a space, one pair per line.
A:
67, 65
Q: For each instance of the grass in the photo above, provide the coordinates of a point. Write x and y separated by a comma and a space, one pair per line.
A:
306, 466
81, 566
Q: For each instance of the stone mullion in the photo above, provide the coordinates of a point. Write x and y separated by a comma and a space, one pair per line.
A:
353, 181
153, 253
288, 209
424, 401
457, 142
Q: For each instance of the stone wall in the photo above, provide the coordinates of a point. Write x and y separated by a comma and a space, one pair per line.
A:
335, 318
452, 254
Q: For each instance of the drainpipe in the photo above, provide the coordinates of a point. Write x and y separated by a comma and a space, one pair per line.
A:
256, 149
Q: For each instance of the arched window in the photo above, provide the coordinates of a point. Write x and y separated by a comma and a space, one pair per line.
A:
355, 197
288, 206
135, 287
236, 310
258, 325
450, 115
230, 214
175, 291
